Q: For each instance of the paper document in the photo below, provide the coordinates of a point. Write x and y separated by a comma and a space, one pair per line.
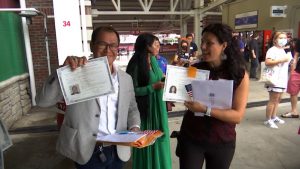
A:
176, 81
134, 139
121, 137
87, 82
213, 93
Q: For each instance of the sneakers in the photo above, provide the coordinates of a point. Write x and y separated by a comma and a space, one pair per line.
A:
278, 120
270, 123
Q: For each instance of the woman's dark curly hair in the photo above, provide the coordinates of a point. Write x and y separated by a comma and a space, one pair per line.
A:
234, 63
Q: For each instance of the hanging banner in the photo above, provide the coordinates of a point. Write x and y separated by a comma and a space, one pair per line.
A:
68, 29
246, 20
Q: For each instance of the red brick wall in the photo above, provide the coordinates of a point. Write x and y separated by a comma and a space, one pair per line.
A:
37, 40
9, 4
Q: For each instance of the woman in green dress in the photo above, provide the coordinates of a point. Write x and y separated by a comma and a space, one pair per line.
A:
147, 76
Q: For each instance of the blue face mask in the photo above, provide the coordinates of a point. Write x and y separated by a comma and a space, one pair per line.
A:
282, 42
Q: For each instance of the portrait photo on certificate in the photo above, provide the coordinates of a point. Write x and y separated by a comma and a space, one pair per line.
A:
87, 82
176, 81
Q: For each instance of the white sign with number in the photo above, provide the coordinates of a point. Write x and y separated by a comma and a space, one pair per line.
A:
68, 28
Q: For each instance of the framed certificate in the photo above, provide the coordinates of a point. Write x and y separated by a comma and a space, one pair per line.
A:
176, 81
87, 82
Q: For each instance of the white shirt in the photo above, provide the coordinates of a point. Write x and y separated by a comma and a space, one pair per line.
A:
280, 70
109, 108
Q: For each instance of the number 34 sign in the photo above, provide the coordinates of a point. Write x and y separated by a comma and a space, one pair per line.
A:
68, 28
66, 23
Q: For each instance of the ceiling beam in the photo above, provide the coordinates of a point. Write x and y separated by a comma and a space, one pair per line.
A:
95, 12
212, 5
135, 20
143, 5
117, 5
173, 5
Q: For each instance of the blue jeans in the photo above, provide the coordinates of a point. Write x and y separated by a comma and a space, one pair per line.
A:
112, 159
254, 66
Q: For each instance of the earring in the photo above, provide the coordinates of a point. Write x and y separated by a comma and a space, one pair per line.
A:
223, 56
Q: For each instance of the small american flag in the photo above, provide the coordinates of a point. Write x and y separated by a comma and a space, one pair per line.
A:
189, 90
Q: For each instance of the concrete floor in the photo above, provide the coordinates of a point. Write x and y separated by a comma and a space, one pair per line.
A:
258, 147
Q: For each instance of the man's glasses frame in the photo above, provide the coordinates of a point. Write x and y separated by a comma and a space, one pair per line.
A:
104, 46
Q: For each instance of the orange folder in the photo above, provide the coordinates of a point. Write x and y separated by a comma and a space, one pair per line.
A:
133, 139
192, 72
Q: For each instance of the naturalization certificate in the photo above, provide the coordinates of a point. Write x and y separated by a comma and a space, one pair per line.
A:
176, 81
87, 82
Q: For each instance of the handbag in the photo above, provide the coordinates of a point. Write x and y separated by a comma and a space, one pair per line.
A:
269, 76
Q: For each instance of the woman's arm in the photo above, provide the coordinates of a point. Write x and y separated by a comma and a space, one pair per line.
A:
234, 115
145, 90
274, 62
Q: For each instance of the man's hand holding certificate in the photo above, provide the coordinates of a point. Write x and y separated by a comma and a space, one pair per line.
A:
86, 82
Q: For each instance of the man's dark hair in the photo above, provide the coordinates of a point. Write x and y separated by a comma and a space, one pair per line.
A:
104, 29
189, 35
255, 34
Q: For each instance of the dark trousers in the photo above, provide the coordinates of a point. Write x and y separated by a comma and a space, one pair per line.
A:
253, 68
192, 155
112, 159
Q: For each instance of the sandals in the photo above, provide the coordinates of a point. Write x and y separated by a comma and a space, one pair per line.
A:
290, 115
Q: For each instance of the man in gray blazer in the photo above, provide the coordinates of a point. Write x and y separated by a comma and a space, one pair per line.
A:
108, 114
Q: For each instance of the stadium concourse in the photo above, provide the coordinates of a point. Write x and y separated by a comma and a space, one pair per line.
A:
257, 147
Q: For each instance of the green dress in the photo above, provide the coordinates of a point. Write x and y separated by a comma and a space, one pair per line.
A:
156, 156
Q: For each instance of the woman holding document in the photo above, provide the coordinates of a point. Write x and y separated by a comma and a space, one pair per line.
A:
147, 77
212, 137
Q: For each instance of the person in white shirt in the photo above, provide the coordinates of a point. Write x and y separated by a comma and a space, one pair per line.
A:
278, 60
85, 121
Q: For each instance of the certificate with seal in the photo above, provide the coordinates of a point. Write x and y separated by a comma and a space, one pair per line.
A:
87, 82
176, 81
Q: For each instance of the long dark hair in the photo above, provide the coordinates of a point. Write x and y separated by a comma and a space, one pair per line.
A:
139, 64
235, 64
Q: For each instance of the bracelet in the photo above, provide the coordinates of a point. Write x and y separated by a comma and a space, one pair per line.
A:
208, 111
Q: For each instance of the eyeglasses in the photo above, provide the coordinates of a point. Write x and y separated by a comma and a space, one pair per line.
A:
104, 46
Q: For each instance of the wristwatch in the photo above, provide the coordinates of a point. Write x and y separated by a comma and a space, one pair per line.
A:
208, 111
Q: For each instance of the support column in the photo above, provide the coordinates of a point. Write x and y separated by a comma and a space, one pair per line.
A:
183, 26
197, 32
200, 29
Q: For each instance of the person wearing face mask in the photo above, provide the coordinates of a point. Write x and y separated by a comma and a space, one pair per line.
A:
183, 55
279, 60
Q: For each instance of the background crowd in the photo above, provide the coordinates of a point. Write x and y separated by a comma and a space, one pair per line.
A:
137, 103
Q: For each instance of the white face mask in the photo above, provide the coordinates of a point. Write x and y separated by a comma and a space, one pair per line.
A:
282, 42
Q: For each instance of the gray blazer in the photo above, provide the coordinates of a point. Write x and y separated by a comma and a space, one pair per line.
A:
77, 138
